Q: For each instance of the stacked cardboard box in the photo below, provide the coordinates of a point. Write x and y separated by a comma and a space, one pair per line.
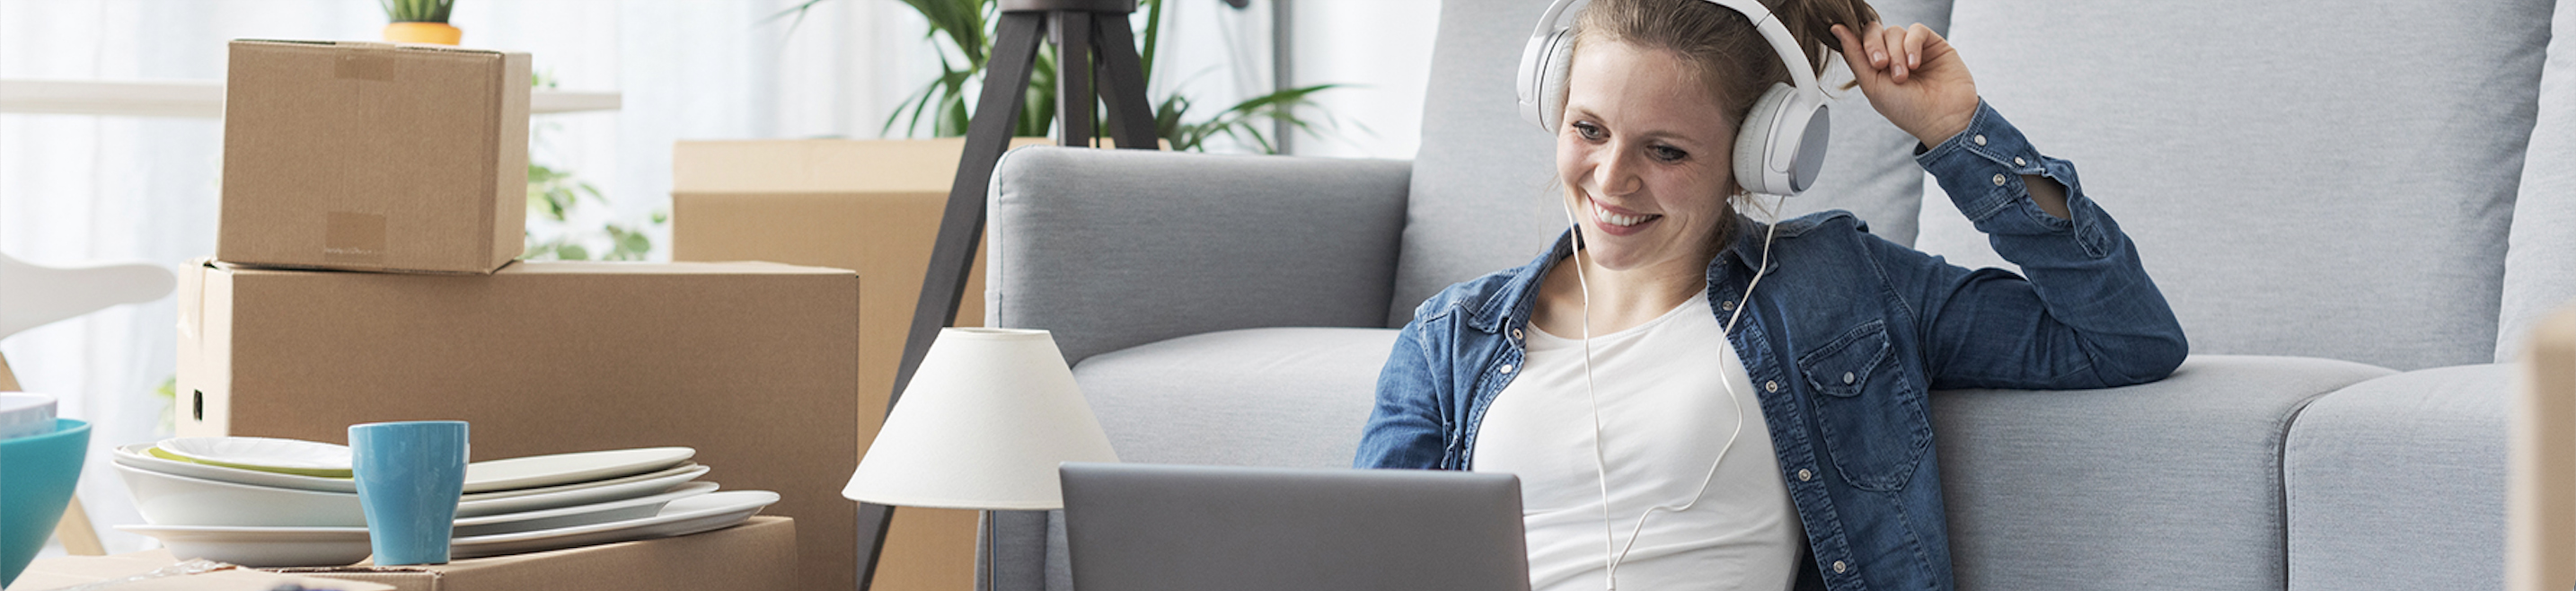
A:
373, 202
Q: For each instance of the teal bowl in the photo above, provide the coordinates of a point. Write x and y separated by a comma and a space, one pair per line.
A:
37, 475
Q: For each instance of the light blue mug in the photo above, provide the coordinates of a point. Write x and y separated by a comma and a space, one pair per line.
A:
410, 476
37, 475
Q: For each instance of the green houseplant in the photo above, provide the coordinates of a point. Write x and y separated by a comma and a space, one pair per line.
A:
939, 108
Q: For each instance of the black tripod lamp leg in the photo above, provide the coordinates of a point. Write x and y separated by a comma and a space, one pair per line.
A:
1122, 85
1015, 49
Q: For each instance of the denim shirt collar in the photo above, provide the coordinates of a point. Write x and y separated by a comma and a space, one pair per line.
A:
1511, 305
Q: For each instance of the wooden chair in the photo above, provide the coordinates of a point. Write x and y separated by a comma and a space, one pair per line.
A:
2541, 507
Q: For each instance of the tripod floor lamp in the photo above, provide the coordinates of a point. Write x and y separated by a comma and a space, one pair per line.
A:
1081, 30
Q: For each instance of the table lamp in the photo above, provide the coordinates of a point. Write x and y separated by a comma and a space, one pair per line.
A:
982, 425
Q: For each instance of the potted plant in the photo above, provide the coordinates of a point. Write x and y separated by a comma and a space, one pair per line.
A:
420, 21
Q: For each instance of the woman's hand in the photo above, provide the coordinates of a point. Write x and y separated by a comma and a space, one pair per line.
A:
1913, 77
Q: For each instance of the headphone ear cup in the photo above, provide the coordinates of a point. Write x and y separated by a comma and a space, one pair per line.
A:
1554, 62
1753, 141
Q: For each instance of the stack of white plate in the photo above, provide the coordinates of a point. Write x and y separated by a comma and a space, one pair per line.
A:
276, 502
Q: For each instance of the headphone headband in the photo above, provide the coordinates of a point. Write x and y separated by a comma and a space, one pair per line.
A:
1560, 16
1779, 147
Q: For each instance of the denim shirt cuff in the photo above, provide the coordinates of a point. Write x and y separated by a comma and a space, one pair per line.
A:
1981, 168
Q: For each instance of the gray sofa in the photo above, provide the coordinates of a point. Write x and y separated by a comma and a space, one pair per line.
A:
2357, 210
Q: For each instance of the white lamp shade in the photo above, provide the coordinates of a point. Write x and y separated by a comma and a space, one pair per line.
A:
985, 421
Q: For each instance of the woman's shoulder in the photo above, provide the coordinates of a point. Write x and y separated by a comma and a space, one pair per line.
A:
1467, 297
1486, 297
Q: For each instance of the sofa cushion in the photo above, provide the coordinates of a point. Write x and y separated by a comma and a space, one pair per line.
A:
2301, 180
2540, 265
2166, 485
2398, 482
1484, 191
1288, 397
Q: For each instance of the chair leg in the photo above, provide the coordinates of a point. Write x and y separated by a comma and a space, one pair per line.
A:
79, 537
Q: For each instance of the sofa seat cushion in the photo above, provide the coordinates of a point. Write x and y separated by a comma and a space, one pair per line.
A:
2399, 482
2173, 484
1288, 397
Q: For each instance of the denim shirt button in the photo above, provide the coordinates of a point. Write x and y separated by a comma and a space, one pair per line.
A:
1839, 567
1770, 386
1516, 334
1981, 139
1507, 368
1804, 475
1727, 306
1999, 180
1848, 377
2017, 161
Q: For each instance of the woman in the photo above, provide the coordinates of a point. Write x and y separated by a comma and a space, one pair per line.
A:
1679, 420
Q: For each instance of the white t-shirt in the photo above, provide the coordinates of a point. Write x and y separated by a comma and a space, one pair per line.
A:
1664, 416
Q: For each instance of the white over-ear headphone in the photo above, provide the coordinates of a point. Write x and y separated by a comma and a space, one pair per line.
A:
1782, 143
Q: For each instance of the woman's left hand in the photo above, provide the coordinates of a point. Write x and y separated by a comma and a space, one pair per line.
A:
1913, 77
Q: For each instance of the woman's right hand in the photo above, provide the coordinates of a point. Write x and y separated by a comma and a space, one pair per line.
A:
1913, 77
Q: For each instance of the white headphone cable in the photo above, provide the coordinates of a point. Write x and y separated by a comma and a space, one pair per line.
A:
1601, 468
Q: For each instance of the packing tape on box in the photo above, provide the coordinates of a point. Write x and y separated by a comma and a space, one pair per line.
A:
364, 65
352, 237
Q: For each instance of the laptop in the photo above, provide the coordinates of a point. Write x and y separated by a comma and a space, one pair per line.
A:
1150, 527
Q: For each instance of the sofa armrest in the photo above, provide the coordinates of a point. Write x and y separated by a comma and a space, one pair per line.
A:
1116, 248
2399, 482
2173, 484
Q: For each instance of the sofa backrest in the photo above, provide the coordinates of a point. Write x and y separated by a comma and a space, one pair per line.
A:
2540, 263
2327, 181
1484, 196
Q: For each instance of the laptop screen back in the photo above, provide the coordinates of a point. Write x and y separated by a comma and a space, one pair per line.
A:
1145, 527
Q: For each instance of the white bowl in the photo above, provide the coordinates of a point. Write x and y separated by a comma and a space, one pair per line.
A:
262, 546
23, 414
138, 455
289, 456
170, 499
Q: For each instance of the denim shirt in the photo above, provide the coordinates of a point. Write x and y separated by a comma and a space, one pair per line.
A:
1843, 340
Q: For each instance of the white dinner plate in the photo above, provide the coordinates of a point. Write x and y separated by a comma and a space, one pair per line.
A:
290, 456
692, 469
577, 515
576, 495
681, 517
262, 546
550, 470
138, 456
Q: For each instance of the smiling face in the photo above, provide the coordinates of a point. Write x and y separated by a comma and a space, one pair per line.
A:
1645, 152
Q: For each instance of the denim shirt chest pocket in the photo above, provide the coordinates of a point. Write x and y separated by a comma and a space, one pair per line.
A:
1868, 412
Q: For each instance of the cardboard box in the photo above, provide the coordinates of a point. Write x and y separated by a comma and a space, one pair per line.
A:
758, 555
374, 157
873, 206
753, 364
63, 572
